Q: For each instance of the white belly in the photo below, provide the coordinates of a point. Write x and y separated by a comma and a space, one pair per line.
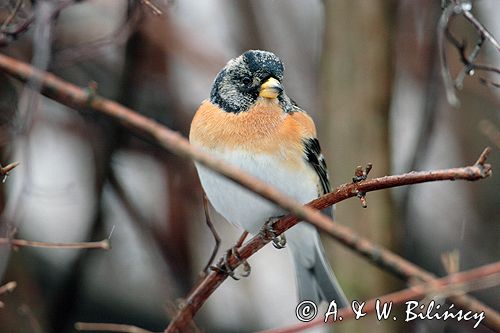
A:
246, 209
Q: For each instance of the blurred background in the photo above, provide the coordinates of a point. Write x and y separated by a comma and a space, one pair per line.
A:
368, 72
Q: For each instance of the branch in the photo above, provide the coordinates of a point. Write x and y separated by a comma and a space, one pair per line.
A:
4, 171
75, 97
483, 32
109, 328
478, 278
463, 8
8, 287
154, 9
9, 33
376, 254
103, 245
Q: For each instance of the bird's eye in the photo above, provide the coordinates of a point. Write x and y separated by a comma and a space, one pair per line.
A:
246, 80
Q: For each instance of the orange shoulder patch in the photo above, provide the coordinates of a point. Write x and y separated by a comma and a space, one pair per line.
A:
305, 121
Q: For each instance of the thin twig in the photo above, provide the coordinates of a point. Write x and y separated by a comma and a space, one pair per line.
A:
488, 82
4, 171
103, 245
481, 29
12, 15
79, 326
468, 69
152, 6
451, 96
8, 34
453, 8
477, 277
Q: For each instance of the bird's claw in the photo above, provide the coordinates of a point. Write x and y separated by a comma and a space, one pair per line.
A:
224, 267
279, 241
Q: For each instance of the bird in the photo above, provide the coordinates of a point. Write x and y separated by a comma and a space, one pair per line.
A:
250, 122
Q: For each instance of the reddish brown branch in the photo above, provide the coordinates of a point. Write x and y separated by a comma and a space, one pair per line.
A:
376, 254
477, 278
4, 171
109, 328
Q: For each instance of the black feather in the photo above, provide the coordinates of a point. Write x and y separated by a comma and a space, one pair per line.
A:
316, 160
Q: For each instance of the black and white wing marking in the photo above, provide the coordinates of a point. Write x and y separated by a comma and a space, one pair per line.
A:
316, 160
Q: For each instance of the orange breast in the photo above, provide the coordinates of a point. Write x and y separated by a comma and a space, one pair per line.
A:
264, 129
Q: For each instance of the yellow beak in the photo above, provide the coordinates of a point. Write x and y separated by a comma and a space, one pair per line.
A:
271, 88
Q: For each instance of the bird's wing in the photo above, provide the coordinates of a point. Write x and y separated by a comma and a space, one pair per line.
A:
311, 147
315, 159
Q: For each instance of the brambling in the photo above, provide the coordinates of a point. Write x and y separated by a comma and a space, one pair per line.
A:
250, 122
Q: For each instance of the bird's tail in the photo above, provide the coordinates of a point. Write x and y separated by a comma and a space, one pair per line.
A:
315, 279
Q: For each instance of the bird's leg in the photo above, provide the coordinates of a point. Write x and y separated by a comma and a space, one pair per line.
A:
214, 233
223, 265
279, 241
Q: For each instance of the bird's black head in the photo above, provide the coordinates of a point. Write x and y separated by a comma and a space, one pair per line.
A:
254, 73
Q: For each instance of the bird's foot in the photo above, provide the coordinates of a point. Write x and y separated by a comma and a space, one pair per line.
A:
224, 267
279, 241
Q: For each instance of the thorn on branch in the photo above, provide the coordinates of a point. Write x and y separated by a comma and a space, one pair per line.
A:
482, 158
485, 169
